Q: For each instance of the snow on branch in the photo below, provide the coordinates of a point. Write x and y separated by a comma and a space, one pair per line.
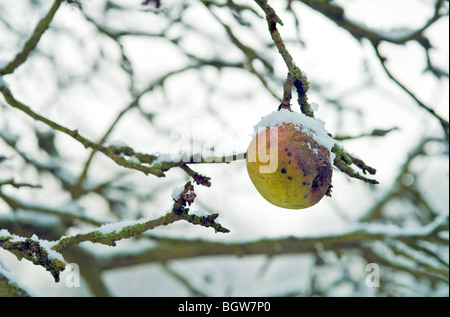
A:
48, 253
108, 234
362, 237
37, 251
11, 287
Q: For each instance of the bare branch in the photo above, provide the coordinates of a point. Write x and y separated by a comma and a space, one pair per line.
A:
29, 46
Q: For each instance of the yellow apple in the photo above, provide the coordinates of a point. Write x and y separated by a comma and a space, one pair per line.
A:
288, 167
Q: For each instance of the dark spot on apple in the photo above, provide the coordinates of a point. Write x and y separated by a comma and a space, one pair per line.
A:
283, 170
289, 154
316, 182
289, 178
321, 177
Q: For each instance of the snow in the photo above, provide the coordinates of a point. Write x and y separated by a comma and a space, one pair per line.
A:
5, 233
171, 157
47, 246
134, 159
6, 134
115, 143
119, 225
443, 235
391, 230
312, 126
176, 192
12, 279
199, 212
397, 33
17, 239
2, 82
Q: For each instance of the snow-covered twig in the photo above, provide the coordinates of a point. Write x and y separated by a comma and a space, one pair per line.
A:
11, 287
361, 237
37, 251
48, 253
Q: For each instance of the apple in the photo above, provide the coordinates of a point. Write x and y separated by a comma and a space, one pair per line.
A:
288, 167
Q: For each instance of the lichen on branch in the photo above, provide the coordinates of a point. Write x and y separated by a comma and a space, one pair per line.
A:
48, 253
33, 250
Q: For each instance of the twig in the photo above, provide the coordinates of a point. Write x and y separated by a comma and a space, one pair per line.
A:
29, 46
110, 233
336, 13
18, 185
357, 238
65, 216
374, 133
32, 250
49, 255
444, 123
296, 77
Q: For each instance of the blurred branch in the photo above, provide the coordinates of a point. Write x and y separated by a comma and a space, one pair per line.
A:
250, 54
362, 237
124, 156
180, 278
132, 105
29, 46
52, 166
374, 133
399, 188
89, 269
24, 224
444, 123
336, 13
8, 286
65, 216
157, 3
11, 182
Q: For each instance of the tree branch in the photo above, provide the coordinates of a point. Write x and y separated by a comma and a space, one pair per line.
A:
361, 237
296, 77
10, 288
29, 46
